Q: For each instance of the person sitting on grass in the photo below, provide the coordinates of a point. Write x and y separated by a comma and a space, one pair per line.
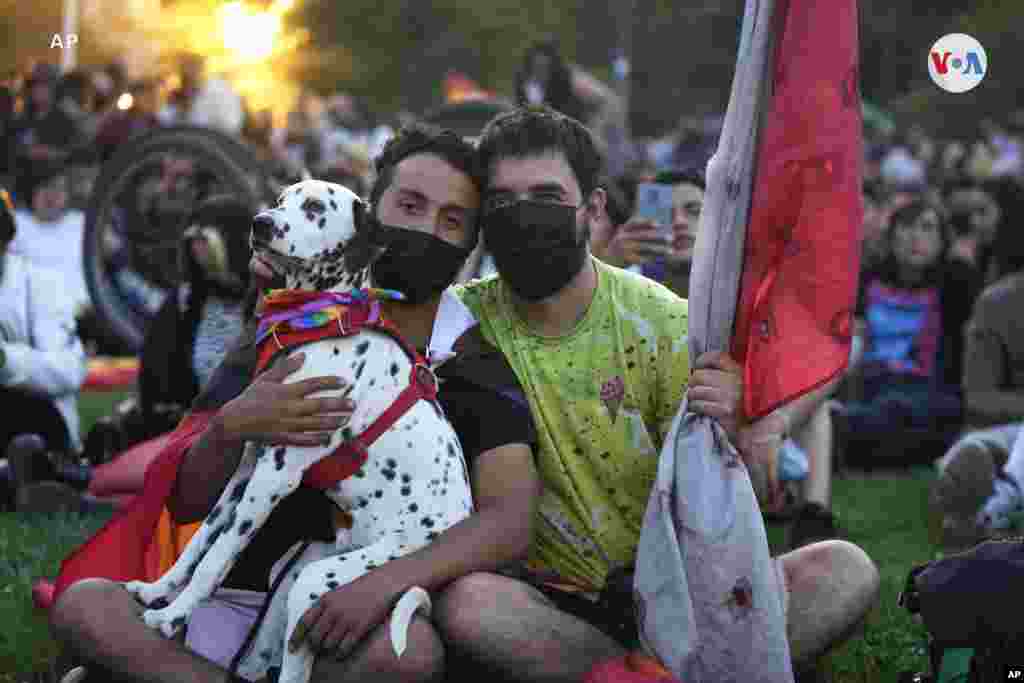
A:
42, 368
911, 309
981, 478
601, 354
806, 453
427, 192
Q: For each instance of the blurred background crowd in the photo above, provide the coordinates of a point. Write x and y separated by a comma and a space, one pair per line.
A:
941, 250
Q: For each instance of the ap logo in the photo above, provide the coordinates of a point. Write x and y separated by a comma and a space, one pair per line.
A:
957, 62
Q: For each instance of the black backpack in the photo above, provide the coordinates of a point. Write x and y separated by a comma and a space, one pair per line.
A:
973, 600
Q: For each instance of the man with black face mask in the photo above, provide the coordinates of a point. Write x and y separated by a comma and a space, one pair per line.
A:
425, 203
602, 355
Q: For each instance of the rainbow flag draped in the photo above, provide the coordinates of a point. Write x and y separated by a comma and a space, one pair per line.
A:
302, 310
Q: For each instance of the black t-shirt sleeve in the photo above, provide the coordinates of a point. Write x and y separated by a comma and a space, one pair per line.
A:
486, 418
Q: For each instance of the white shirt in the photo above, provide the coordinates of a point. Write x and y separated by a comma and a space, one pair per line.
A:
57, 245
39, 338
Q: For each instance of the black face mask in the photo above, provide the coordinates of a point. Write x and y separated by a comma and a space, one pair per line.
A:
536, 246
418, 264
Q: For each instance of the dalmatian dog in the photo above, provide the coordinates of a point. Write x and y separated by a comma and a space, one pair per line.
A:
413, 486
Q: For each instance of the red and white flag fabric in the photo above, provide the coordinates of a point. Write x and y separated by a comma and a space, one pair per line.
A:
773, 282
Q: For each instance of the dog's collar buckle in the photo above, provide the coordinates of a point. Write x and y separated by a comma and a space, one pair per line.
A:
426, 379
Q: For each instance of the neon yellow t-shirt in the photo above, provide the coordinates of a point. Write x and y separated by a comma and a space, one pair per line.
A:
603, 398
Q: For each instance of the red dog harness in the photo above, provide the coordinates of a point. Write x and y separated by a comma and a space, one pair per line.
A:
292, 318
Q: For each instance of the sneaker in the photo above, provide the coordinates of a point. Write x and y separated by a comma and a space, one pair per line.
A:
1003, 512
966, 483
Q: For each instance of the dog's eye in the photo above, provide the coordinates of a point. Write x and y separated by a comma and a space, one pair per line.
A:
312, 205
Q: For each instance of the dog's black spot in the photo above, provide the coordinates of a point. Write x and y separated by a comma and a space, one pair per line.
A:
427, 522
362, 347
451, 450
406, 491
359, 370
291, 249
388, 474
334, 205
295, 576
330, 190
310, 217
333, 584
252, 499
177, 622
214, 514
274, 497
378, 493
330, 575
239, 490
391, 462
406, 478
413, 507
313, 596
244, 527
336, 351
394, 369
287, 227
363, 502
322, 222
408, 444
279, 458
159, 603
372, 382
432, 535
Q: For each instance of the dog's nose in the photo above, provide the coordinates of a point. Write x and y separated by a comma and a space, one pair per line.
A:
263, 228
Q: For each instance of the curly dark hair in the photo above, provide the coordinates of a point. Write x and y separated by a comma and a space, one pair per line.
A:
423, 138
536, 130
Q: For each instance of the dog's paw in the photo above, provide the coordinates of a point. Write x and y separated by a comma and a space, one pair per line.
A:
168, 620
149, 594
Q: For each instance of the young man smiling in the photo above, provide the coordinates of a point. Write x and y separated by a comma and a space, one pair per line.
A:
601, 354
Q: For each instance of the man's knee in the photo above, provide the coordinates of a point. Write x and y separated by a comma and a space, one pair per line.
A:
460, 611
78, 611
833, 585
422, 662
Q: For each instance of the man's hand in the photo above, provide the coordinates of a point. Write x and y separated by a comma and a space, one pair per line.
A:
272, 412
759, 444
637, 242
716, 390
341, 618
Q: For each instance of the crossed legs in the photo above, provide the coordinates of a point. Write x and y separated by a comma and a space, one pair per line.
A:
510, 628
100, 622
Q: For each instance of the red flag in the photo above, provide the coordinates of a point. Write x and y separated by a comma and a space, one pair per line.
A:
794, 320
121, 550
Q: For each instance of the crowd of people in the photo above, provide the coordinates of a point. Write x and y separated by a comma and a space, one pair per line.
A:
936, 373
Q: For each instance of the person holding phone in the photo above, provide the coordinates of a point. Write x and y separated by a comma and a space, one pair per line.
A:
659, 238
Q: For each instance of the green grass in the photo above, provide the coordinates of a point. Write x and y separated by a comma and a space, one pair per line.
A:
885, 516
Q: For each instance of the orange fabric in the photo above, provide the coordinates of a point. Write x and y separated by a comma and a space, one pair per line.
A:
168, 544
